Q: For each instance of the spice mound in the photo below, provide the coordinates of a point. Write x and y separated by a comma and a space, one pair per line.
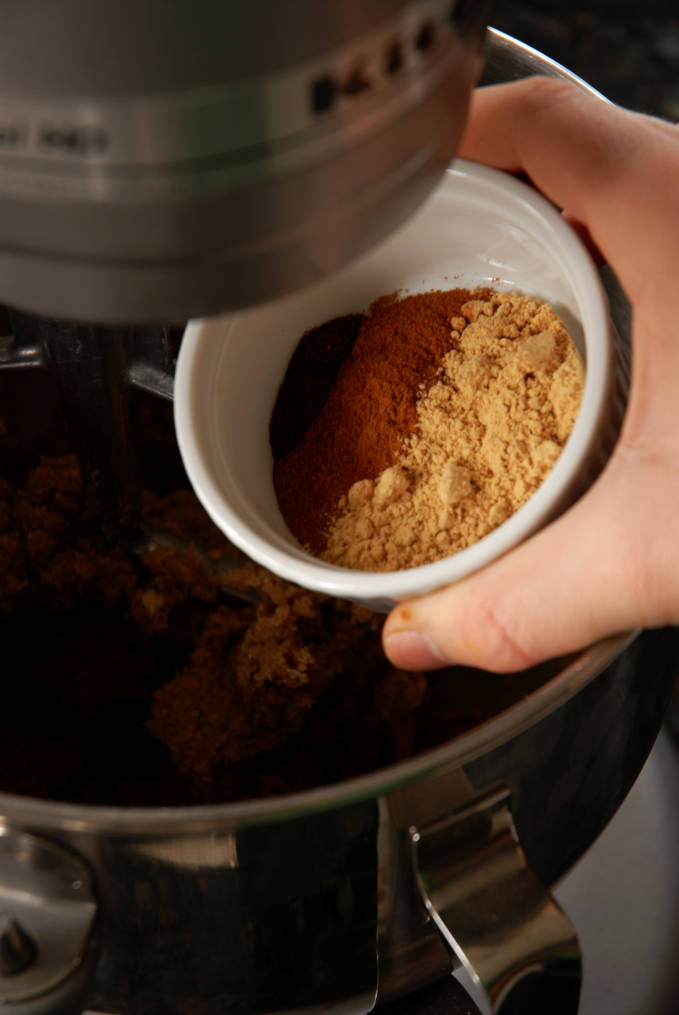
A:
435, 418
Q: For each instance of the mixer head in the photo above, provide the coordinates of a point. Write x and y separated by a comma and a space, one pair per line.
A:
163, 159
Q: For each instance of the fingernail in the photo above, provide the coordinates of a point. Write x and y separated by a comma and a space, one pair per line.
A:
413, 651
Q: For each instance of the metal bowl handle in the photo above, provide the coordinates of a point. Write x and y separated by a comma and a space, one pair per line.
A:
494, 914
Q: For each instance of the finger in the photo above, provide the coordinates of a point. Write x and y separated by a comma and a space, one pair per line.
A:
666, 127
584, 234
612, 170
582, 578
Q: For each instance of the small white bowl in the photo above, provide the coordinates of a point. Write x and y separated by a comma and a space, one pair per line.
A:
480, 227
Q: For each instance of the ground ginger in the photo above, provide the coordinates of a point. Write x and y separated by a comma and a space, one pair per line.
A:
489, 430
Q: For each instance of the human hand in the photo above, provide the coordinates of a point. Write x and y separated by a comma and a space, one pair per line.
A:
610, 563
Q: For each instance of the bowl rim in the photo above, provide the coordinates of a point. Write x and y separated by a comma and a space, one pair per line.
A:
382, 589
461, 750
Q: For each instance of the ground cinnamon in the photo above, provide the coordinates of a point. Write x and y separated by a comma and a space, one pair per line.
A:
389, 354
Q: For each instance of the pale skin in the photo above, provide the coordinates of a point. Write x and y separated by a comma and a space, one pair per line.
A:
611, 563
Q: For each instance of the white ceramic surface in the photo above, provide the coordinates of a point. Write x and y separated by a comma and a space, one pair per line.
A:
480, 227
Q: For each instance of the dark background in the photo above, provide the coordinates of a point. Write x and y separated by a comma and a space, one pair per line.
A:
629, 51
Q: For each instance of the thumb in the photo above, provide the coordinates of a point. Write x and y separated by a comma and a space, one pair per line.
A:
578, 580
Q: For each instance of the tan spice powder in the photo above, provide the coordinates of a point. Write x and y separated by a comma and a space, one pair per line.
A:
488, 432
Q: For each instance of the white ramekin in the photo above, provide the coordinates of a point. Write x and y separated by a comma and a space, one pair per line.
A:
480, 227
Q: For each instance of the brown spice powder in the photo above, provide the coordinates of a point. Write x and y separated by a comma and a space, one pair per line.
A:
488, 432
370, 405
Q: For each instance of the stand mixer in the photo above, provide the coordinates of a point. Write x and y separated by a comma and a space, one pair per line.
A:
160, 160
